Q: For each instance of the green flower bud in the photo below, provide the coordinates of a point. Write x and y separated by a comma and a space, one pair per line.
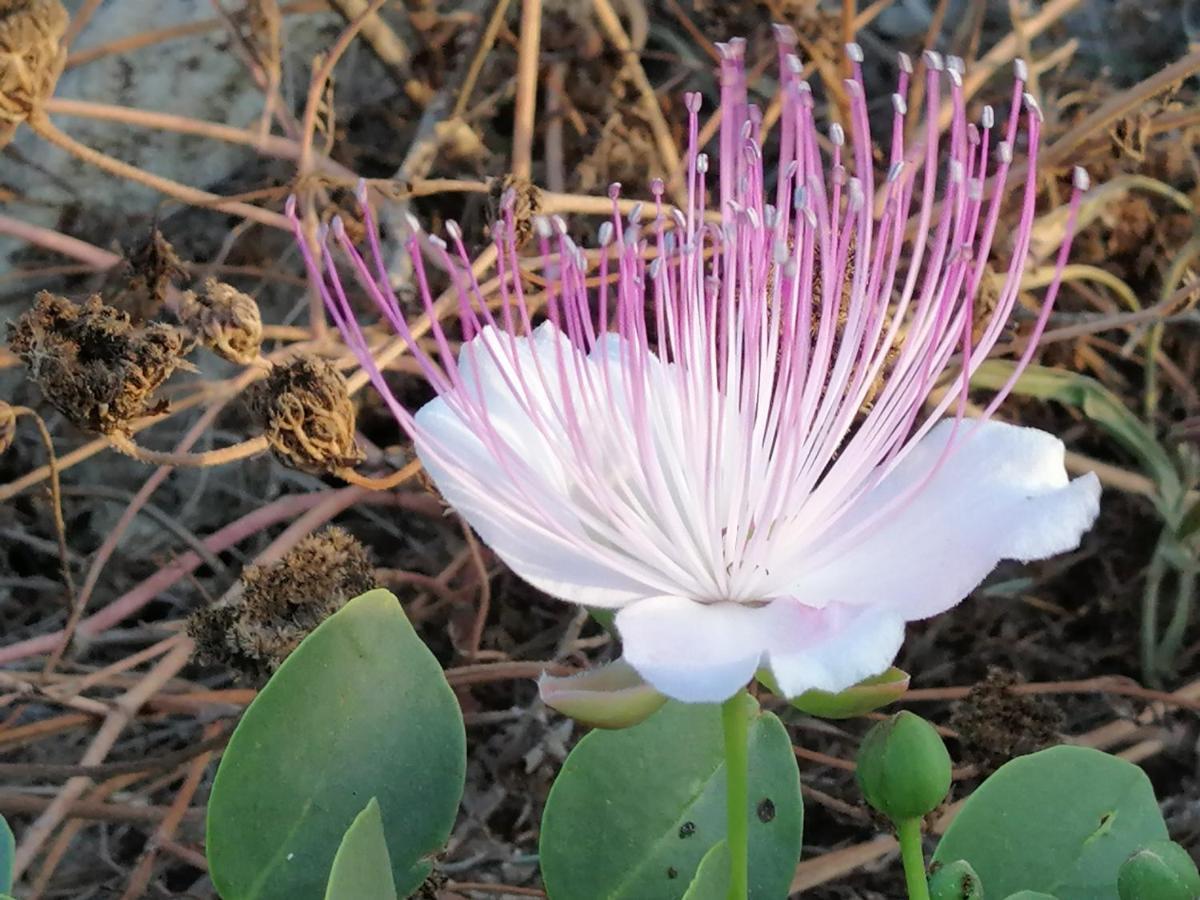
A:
903, 767
1159, 871
955, 881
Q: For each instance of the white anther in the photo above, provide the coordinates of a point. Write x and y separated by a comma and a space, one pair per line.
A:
1081, 179
837, 134
1033, 106
855, 52
453, 229
605, 235
905, 61
989, 117
437, 242
702, 163
542, 226
900, 105
413, 223
1020, 70
1004, 151
933, 60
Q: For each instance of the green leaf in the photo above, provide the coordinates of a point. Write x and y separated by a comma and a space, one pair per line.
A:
867, 696
1060, 821
7, 848
633, 812
1100, 405
362, 869
360, 709
712, 877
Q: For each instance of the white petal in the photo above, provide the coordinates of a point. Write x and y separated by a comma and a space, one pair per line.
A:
851, 644
694, 652
555, 560
1002, 494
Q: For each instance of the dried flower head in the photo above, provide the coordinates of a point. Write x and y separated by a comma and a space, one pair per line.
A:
31, 58
225, 320
520, 200
682, 446
277, 605
150, 268
996, 724
307, 415
92, 364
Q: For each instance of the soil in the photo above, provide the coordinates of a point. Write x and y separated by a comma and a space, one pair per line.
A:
93, 351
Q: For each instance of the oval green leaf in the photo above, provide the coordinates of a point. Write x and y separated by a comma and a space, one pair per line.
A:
360, 709
634, 812
1058, 822
712, 877
7, 849
362, 869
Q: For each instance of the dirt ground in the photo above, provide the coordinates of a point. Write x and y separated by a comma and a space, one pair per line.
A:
1041, 653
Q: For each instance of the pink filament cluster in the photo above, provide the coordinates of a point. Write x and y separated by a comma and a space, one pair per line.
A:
699, 421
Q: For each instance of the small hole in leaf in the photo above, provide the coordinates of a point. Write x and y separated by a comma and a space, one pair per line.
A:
687, 829
766, 810
672, 872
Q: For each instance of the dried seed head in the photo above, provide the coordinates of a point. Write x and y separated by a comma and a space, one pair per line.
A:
996, 724
150, 268
8, 426
92, 364
525, 200
275, 606
225, 320
307, 415
31, 58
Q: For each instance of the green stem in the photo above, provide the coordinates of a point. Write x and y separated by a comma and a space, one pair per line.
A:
735, 721
913, 856
1172, 642
1149, 631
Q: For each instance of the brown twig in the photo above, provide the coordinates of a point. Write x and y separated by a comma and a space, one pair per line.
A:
667, 151
125, 709
139, 879
528, 47
41, 125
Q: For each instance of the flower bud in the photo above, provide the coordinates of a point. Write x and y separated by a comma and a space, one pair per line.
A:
610, 696
1159, 871
955, 881
903, 767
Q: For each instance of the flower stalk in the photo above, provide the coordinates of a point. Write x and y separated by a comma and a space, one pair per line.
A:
736, 713
913, 857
